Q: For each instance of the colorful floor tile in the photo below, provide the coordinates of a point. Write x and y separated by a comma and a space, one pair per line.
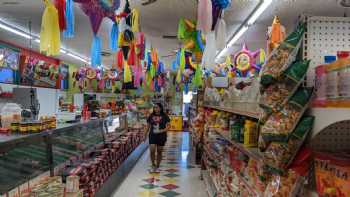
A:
177, 178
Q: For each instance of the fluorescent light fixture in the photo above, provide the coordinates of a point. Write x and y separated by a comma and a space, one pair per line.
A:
63, 51
77, 57
232, 42
259, 11
17, 31
250, 21
237, 36
14, 30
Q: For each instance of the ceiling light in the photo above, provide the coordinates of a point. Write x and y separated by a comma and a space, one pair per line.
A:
77, 57
63, 51
1, 57
249, 21
14, 30
265, 4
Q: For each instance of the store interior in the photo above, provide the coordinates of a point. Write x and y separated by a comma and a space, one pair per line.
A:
256, 92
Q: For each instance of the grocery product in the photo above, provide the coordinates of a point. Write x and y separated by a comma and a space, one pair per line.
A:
251, 134
279, 125
282, 56
280, 154
275, 95
236, 129
332, 175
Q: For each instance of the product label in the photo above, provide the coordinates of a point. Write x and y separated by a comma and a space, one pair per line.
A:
344, 83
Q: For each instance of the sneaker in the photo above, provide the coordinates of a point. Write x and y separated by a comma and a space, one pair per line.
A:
152, 170
157, 170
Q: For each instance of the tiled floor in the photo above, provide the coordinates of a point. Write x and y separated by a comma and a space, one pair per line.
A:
177, 178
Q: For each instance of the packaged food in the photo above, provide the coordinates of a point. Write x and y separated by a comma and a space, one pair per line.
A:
236, 128
324, 172
279, 155
282, 56
275, 95
332, 175
279, 125
251, 134
290, 182
341, 176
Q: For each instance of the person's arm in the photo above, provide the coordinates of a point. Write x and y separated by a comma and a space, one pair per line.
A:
167, 125
148, 127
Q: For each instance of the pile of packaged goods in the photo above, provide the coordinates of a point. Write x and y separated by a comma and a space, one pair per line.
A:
265, 157
197, 126
94, 169
53, 187
283, 126
332, 174
242, 94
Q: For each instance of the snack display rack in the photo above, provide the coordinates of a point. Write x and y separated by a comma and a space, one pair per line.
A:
25, 158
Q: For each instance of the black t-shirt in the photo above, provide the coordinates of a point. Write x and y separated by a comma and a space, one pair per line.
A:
161, 120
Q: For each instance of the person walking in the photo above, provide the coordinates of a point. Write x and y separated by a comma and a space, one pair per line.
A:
157, 127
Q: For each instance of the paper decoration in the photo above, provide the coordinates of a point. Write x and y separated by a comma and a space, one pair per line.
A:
245, 62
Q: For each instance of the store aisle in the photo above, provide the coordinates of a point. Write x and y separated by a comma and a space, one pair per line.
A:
177, 177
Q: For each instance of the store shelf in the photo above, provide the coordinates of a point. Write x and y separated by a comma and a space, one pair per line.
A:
235, 111
251, 152
209, 184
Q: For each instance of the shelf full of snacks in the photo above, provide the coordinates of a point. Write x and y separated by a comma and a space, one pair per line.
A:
234, 111
257, 127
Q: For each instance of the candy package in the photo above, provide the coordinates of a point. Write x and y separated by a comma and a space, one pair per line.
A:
279, 125
290, 183
279, 155
281, 57
332, 175
275, 95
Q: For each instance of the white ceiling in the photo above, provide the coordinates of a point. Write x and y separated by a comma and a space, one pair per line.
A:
161, 18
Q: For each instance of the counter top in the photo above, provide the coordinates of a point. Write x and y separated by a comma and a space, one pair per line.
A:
9, 141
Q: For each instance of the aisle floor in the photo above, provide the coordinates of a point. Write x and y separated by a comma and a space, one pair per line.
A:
178, 178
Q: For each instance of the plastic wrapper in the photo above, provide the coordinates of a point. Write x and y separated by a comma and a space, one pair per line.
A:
279, 125
281, 58
332, 175
290, 184
275, 95
280, 154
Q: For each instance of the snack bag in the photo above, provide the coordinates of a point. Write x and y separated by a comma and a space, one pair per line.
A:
279, 155
324, 175
290, 183
279, 125
275, 95
341, 176
282, 56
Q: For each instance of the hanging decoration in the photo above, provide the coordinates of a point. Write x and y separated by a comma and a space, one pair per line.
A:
61, 8
204, 16
69, 31
245, 62
96, 10
50, 41
276, 34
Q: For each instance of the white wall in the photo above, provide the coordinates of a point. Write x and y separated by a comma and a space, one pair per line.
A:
48, 98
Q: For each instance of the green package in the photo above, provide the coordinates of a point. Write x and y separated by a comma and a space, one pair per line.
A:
282, 57
276, 95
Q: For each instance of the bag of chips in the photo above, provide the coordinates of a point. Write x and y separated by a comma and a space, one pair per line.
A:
279, 155
290, 183
281, 58
279, 125
275, 95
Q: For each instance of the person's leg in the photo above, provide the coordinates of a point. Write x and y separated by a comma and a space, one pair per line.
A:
159, 155
153, 148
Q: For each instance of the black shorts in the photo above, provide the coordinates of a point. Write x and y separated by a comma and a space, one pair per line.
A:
158, 139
